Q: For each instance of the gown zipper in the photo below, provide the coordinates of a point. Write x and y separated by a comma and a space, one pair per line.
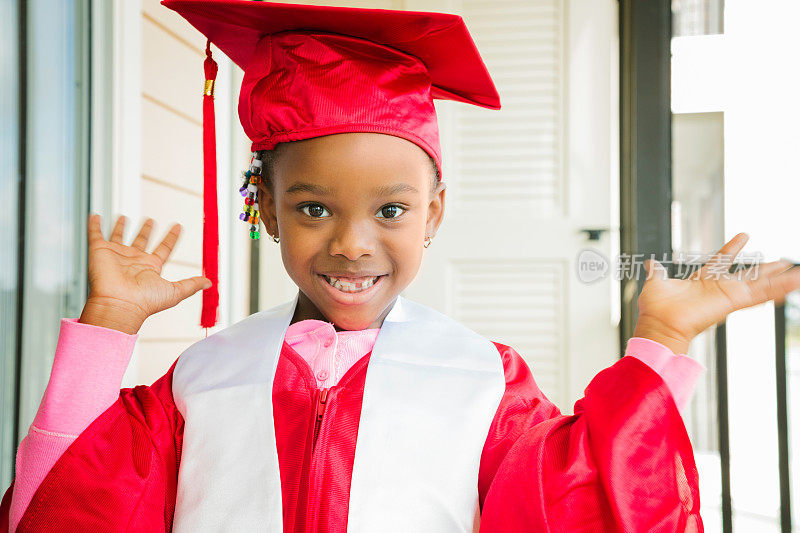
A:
311, 501
322, 398
306, 522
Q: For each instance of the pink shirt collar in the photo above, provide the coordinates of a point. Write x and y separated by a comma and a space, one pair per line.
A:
329, 353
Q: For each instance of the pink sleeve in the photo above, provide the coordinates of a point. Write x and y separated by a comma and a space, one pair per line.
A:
85, 380
679, 372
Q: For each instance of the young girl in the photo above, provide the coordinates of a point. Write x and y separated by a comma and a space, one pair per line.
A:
351, 408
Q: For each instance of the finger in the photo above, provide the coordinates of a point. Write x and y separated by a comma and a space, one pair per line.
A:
758, 270
140, 242
93, 229
119, 230
727, 253
777, 286
187, 287
766, 269
655, 268
724, 257
165, 248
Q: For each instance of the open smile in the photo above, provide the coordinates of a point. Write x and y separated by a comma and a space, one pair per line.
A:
351, 284
351, 291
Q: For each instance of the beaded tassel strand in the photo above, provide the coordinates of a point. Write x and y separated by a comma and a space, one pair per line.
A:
249, 190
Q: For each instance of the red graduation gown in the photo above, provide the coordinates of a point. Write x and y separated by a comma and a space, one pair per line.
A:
622, 462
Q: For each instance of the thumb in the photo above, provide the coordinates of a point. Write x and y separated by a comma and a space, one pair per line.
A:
654, 268
189, 286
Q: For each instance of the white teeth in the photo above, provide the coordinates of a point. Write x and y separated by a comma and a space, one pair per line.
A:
346, 286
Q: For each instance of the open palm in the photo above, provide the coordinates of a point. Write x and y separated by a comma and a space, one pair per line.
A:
128, 277
686, 307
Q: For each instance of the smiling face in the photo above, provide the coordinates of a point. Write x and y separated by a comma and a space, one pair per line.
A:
352, 211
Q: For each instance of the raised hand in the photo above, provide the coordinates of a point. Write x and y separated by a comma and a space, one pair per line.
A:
125, 283
674, 311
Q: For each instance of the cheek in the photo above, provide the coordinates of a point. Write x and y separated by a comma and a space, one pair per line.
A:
298, 254
405, 249
299, 243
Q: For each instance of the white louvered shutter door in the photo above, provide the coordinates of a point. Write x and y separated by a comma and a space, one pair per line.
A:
522, 181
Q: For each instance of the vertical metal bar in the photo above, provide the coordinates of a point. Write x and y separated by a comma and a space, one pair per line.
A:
23, 136
76, 297
783, 418
645, 28
724, 434
255, 271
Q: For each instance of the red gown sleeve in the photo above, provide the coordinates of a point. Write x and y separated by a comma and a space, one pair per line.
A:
622, 462
120, 474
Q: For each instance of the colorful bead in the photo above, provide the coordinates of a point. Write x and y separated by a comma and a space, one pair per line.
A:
249, 190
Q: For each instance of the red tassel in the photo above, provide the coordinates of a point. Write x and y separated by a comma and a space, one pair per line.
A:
208, 315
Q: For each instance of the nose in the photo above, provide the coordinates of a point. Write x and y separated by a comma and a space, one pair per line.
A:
352, 239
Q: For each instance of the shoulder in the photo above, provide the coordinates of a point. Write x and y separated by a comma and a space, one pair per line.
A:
520, 382
515, 368
436, 321
423, 329
242, 353
510, 356
514, 365
427, 319
222, 341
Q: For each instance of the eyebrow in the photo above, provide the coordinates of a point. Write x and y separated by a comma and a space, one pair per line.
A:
388, 190
383, 190
308, 187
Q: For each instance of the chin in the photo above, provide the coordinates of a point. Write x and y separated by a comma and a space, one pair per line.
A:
351, 322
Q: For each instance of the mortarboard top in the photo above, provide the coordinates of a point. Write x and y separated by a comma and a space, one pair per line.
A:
311, 71
440, 40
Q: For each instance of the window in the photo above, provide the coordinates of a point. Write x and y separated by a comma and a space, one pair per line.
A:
45, 195
697, 17
10, 182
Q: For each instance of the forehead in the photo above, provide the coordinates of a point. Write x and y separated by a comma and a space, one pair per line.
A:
352, 161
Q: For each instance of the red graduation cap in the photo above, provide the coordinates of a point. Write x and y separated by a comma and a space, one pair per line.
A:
311, 71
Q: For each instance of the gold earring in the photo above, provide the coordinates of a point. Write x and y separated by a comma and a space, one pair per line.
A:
427, 242
276, 239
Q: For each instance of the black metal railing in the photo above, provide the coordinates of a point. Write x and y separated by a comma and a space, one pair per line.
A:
781, 388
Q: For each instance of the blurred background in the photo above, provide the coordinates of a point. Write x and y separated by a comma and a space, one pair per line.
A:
628, 127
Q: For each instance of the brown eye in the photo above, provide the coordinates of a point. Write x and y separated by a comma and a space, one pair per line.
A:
391, 211
313, 210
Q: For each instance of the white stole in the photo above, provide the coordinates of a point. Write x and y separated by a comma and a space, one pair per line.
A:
432, 389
